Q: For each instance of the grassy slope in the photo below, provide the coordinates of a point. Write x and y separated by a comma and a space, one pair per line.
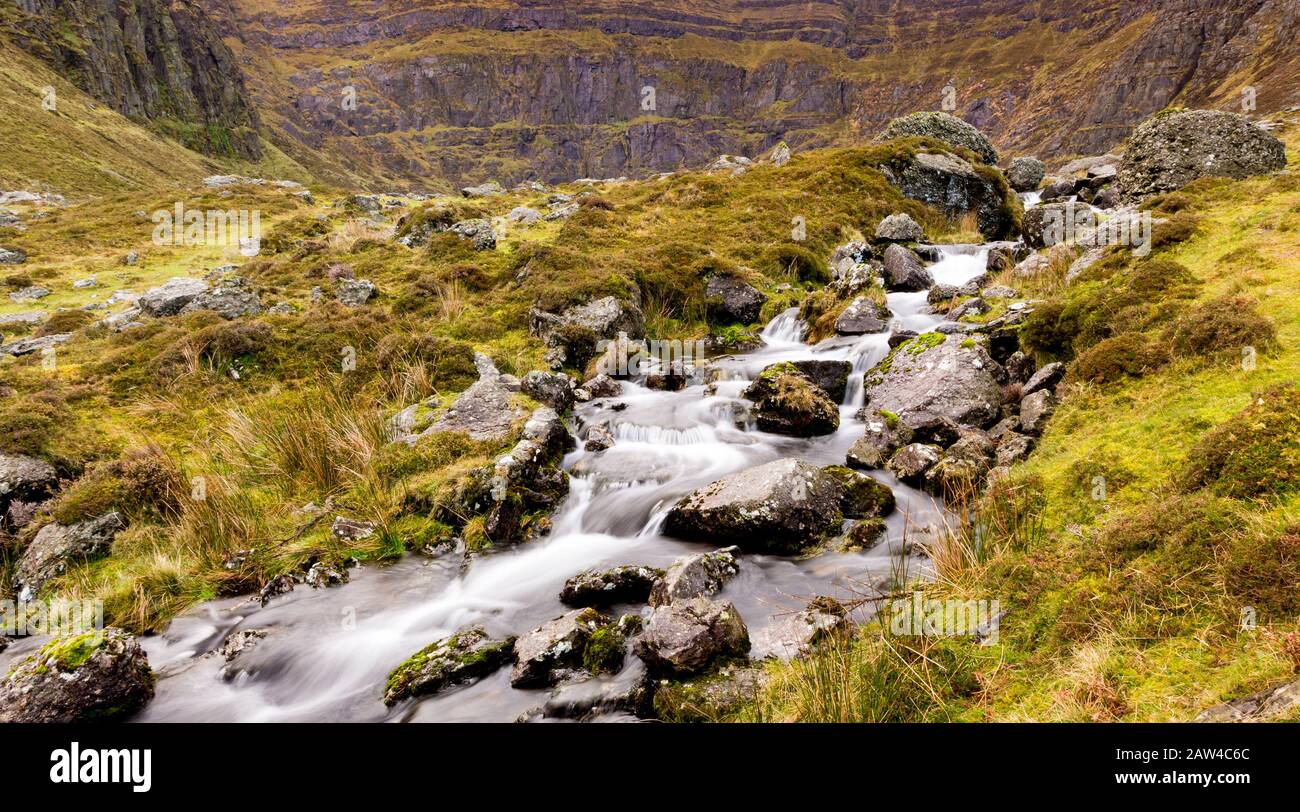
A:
1092, 633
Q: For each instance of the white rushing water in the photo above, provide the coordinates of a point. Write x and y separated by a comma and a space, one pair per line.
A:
329, 651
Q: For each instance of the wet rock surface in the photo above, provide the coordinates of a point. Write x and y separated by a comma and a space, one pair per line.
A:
686, 637
90, 677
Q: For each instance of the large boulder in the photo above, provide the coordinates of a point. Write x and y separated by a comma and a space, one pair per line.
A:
96, 676
779, 507
1025, 174
728, 300
25, 479
624, 584
1172, 149
465, 657
904, 270
527, 478
937, 376
864, 497
56, 547
695, 576
862, 316
946, 128
955, 186
171, 297
573, 335
486, 411
786, 401
685, 638
551, 388
1050, 223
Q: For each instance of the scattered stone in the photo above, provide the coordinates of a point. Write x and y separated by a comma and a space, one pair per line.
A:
1035, 410
465, 657
488, 189
523, 215
623, 584
56, 547
899, 228
171, 297
239, 642
1274, 703
29, 317
904, 271
1046, 378
230, 300
551, 388
478, 231
962, 467
31, 293
1025, 174
863, 316
728, 300
27, 346
911, 462
686, 637
1013, 448
12, 256
351, 529
573, 335
354, 292
794, 634
699, 575
603, 386
599, 437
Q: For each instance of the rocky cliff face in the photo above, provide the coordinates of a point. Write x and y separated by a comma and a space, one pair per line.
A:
162, 60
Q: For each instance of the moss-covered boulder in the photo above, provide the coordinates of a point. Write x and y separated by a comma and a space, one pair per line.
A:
465, 657
698, 575
864, 497
786, 401
545, 654
946, 128
96, 676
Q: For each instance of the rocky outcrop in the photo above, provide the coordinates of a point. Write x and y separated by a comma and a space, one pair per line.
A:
786, 401
573, 335
832, 377
1025, 174
551, 388
779, 507
899, 228
172, 296
25, 479
934, 375
165, 61
863, 496
1172, 149
486, 411
686, 637
699, 575
946, 128
56, 547
91, 677
904, 271
465, 657
729, 300
230, 300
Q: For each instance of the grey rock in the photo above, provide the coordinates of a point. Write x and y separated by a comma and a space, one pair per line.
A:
832, 377
948, 380
952, 185
728, 300
946, 128
911, 462
1170, 150
1273, 703
685, 638
794, 634
781, 506
27, 346
230, 300
1013, 448
882, 437
598, 438
555, 645
574, 334
31, 293
699, 575
904, 271
56, 547
551, 388
170, 298
461, 659
485, 411
1046, 378
1035, 410
863, 316
603, 386
623, 584
1025, 174
488, 189
523, 215
962, 466
108, 678
12, 256
899, 228
478, 231
354, 292
28, 318
25, 479
787, 401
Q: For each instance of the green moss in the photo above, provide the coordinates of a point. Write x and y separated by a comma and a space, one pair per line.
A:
604, 651
69, 653
1254, 454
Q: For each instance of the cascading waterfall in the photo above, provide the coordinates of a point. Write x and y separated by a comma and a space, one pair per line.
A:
328, 652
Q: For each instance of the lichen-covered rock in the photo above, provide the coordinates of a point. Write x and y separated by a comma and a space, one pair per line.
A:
934, 375
864, 497
551, 388
899, 228
97, 676
1035, 410
863, 316
782, 507
904, 271
699, 575
1050, 223
1025, 173
863, 535
354, 292
478, 231
573, 335
793, 634
624, 584
686, 637
1046, 378
230, 300
832, 377
603, 386
171, 297
465, 657
884, 434
56, 547
489, 189
728, 300
786, 401
556, 646
1013, 447
1171, 149
911, 462
25, 479
712, 697
1275, 703
486, 411
946, 128
598, 437
955, 186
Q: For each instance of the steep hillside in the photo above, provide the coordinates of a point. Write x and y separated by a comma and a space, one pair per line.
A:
550, 90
